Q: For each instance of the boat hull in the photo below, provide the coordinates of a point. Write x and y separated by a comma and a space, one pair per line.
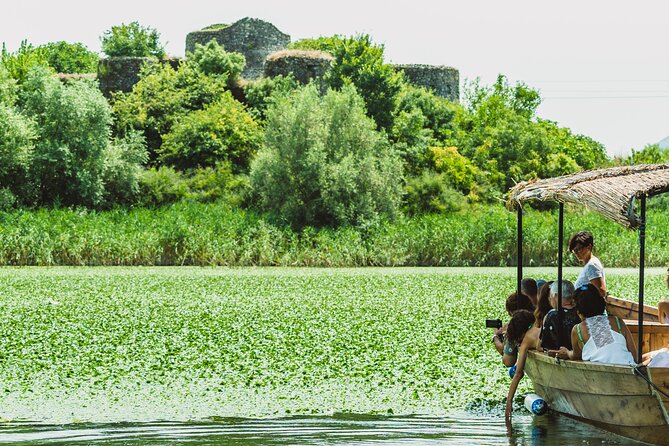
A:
626, 309
608, 396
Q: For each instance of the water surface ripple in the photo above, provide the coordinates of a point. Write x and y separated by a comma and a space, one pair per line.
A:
461, 428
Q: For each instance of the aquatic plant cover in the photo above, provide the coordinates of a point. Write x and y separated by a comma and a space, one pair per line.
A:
610, 192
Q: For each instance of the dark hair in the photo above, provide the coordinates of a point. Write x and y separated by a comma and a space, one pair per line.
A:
666, 279
520, 322
514, 303
589, 302
582, 238
528, 286
543, 302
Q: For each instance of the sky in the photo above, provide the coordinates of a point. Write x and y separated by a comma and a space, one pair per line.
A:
601, 66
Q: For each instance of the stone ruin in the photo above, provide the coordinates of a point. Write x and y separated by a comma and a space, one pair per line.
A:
264, 48
304, 65
122, 73
254, 38
443, 81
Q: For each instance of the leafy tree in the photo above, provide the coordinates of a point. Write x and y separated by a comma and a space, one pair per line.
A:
422, 120
430, 192
17, 136
458, 171
161, 97
258, 94
19, 63
324, 163
222, 131
73, 161
651, 154
66, 57
132, 40
212, 59
8, 88
73, 123
123, 160
500, 133
359, 61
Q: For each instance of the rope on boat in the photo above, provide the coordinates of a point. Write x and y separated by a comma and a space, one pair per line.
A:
638, 372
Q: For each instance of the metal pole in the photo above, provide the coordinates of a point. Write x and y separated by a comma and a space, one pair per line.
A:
642, 262
519, 273
560, 260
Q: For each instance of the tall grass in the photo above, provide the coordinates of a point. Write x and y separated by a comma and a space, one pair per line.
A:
213, 234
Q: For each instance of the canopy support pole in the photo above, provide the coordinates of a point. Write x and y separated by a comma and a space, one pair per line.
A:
560, 261
519, 272
642, 262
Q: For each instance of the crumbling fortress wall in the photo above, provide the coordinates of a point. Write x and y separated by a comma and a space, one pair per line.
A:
303, 65
122, 73
443, 81
254, 38
264, 48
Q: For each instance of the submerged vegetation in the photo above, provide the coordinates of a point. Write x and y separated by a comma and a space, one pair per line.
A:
115, 344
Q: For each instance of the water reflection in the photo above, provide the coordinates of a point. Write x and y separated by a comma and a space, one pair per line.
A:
459, 429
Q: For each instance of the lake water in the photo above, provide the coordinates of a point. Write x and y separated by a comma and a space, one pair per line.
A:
461, 428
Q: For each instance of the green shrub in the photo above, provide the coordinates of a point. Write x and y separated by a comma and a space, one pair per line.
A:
72, 156
259, 93
212, 59
458, 171
8, 88
160, 186
438, 112
70, 57
217, 184
17, 136
223, 131
327, 44
651, 154
161, 97
132, 40
123, 161
215, 27
164, 186
431, 193
73, 122
19, 63
323, 162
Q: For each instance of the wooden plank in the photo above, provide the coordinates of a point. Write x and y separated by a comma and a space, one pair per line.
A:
627, 309
584, 377
626, 410
660, 377
655, 335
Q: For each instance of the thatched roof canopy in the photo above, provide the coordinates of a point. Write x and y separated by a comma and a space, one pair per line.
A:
611, 192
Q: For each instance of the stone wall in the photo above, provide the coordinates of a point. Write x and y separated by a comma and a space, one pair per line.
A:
304, 65
443, 81
122, 73
253, 38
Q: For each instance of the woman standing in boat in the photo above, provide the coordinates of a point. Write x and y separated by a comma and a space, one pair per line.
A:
581, 245
520, 332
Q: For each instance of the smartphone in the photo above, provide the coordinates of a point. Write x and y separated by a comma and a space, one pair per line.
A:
493, 323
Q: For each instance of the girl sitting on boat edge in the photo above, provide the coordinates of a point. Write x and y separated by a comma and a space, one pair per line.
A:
520, 332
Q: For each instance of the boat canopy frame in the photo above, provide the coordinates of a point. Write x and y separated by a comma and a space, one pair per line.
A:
612, 192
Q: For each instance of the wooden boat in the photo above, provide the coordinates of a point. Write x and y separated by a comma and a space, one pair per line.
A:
627, 309
629, 401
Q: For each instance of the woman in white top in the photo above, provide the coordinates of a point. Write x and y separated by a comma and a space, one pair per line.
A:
599, 338
581, 244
